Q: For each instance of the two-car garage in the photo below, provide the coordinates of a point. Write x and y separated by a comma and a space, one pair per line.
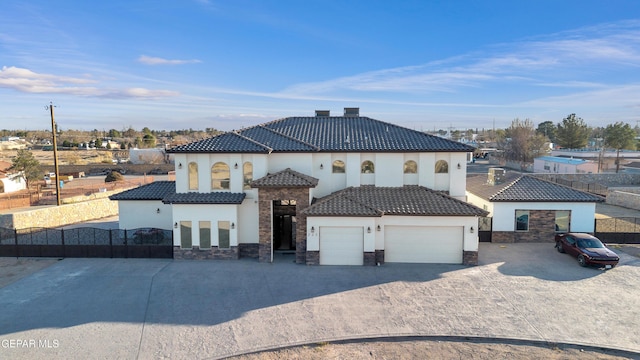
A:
344, 245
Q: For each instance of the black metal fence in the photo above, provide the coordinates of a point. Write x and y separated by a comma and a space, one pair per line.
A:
86, 242
624, 230
592, 188
485, 229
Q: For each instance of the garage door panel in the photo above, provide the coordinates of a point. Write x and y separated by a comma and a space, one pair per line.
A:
423, 244
341, 245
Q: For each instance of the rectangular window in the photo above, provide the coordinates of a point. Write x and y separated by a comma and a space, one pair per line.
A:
185, 234
563, 218
223, 235
205, 234
522, 220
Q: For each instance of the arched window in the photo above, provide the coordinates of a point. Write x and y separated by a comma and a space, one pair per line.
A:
367, 167
338, 167
220, 176
247, 174
410, 167
193, 176
442, 167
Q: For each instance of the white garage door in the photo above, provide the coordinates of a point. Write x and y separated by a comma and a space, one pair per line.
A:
423, 244
341, 245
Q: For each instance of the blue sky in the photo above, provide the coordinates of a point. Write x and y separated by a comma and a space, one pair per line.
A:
177, 64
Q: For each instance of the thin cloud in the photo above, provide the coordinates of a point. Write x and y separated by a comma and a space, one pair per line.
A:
149, 60
27, 81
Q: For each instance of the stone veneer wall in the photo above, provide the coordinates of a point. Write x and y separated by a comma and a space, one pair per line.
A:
265, 197
541, 229
380, 257
56, 216
470, 258
625, 197
248, 250
196, 253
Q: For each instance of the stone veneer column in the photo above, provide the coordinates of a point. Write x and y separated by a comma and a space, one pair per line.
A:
266, 196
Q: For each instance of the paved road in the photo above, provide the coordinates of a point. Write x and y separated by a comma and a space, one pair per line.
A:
145, 308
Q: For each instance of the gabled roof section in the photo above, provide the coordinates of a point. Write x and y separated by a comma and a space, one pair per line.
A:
286, 178
531, 189
156, 190
478, 184
409, 200
205, 198
229, 142
324, 134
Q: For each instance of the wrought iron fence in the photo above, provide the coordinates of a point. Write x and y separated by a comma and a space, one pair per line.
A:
623, 230
86, 242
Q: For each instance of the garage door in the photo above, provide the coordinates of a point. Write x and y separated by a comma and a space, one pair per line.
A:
422, 244
341, 245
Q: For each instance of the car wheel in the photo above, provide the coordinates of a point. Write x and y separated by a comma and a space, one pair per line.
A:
582, 261
559, 247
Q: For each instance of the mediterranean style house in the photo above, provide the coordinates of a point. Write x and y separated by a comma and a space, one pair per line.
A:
333, 190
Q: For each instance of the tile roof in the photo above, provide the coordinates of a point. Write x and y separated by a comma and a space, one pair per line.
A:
326, 134
205, 198
285, 178
230, 142
156, 190
409, 200
525, 188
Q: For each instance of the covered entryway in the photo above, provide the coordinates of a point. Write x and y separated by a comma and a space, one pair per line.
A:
284, 225
341, 245
423, 244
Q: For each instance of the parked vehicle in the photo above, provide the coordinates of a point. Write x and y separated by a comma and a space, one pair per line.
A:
588, 249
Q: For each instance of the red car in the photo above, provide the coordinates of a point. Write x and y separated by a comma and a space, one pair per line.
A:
588, 249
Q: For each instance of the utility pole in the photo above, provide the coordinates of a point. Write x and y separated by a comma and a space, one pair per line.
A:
55, 152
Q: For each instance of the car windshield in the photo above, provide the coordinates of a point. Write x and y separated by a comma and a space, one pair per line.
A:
590, 243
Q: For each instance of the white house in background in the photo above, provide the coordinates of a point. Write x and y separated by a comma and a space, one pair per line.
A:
330, 189
563, 165
10, 181
524, 208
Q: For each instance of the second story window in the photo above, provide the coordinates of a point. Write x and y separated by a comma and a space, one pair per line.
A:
247, 174
442, 167
220, 176
367, 167
410, 167
338, 167
193, 176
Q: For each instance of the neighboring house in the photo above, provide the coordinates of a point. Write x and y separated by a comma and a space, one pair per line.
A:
562, 165
10, 181
527, 209
331, 189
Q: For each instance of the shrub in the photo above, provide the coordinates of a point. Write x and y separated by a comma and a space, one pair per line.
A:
114, 176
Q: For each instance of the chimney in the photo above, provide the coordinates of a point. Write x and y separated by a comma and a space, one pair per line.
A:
352, 112
322, 113
496, 176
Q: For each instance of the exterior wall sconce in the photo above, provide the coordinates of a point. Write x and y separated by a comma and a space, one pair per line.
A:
321, 167
471, 230
368, 229
459, 167
313, 230
235, 166
175, 225
379, 228
233, 225
158, 211
179, 165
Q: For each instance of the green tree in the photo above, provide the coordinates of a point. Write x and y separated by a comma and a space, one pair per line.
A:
26, 163
619, 136
548, 129
522, 143
98, 143
572, 133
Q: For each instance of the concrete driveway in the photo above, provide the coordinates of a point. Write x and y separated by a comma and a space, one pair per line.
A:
145, 308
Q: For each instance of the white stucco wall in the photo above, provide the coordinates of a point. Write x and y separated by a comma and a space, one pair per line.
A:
141, 214
582, 214
313, 239
212, 213
13, 183
480, 202
248, 224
